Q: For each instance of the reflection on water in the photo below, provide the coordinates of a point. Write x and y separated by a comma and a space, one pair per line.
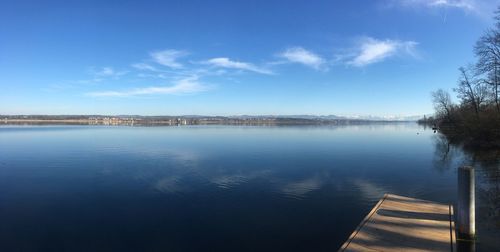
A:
370, 191
226, 188
487, 163
444, 153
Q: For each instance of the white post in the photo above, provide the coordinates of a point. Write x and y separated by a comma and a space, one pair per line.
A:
466, 217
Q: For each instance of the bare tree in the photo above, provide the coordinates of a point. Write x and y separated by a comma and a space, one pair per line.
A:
442, 102
487, 50
470, 90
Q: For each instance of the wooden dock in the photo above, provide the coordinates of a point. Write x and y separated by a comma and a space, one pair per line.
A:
399, 223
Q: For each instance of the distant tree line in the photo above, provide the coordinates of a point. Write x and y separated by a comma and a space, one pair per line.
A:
476, 119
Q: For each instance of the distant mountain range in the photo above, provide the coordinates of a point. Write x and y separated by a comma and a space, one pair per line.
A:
337, 117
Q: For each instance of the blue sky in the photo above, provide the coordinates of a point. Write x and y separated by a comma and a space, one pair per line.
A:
359, 57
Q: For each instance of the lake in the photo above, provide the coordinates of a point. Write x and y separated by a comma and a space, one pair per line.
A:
221, 188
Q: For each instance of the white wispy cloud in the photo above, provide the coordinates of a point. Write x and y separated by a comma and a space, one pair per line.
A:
98, 75
168, 57
108, 72
462, 4
480, 7
88, 81
303, 56
228, 63
183, 86
373, 50
144, 66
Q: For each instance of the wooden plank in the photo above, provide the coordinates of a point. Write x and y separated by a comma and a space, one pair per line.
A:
400, 223
351, 237
452, 231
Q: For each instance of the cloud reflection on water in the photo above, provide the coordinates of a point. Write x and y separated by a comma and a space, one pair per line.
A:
299, 189
179, 166
369, 190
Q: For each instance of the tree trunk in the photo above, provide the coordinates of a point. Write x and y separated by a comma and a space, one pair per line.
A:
496, 98
496, 87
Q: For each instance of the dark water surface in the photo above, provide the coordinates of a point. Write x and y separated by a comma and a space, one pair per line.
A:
220, 188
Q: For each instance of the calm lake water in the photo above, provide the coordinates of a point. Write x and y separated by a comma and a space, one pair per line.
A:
221, 188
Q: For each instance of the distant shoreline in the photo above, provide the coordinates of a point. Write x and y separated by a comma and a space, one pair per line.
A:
183, 120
